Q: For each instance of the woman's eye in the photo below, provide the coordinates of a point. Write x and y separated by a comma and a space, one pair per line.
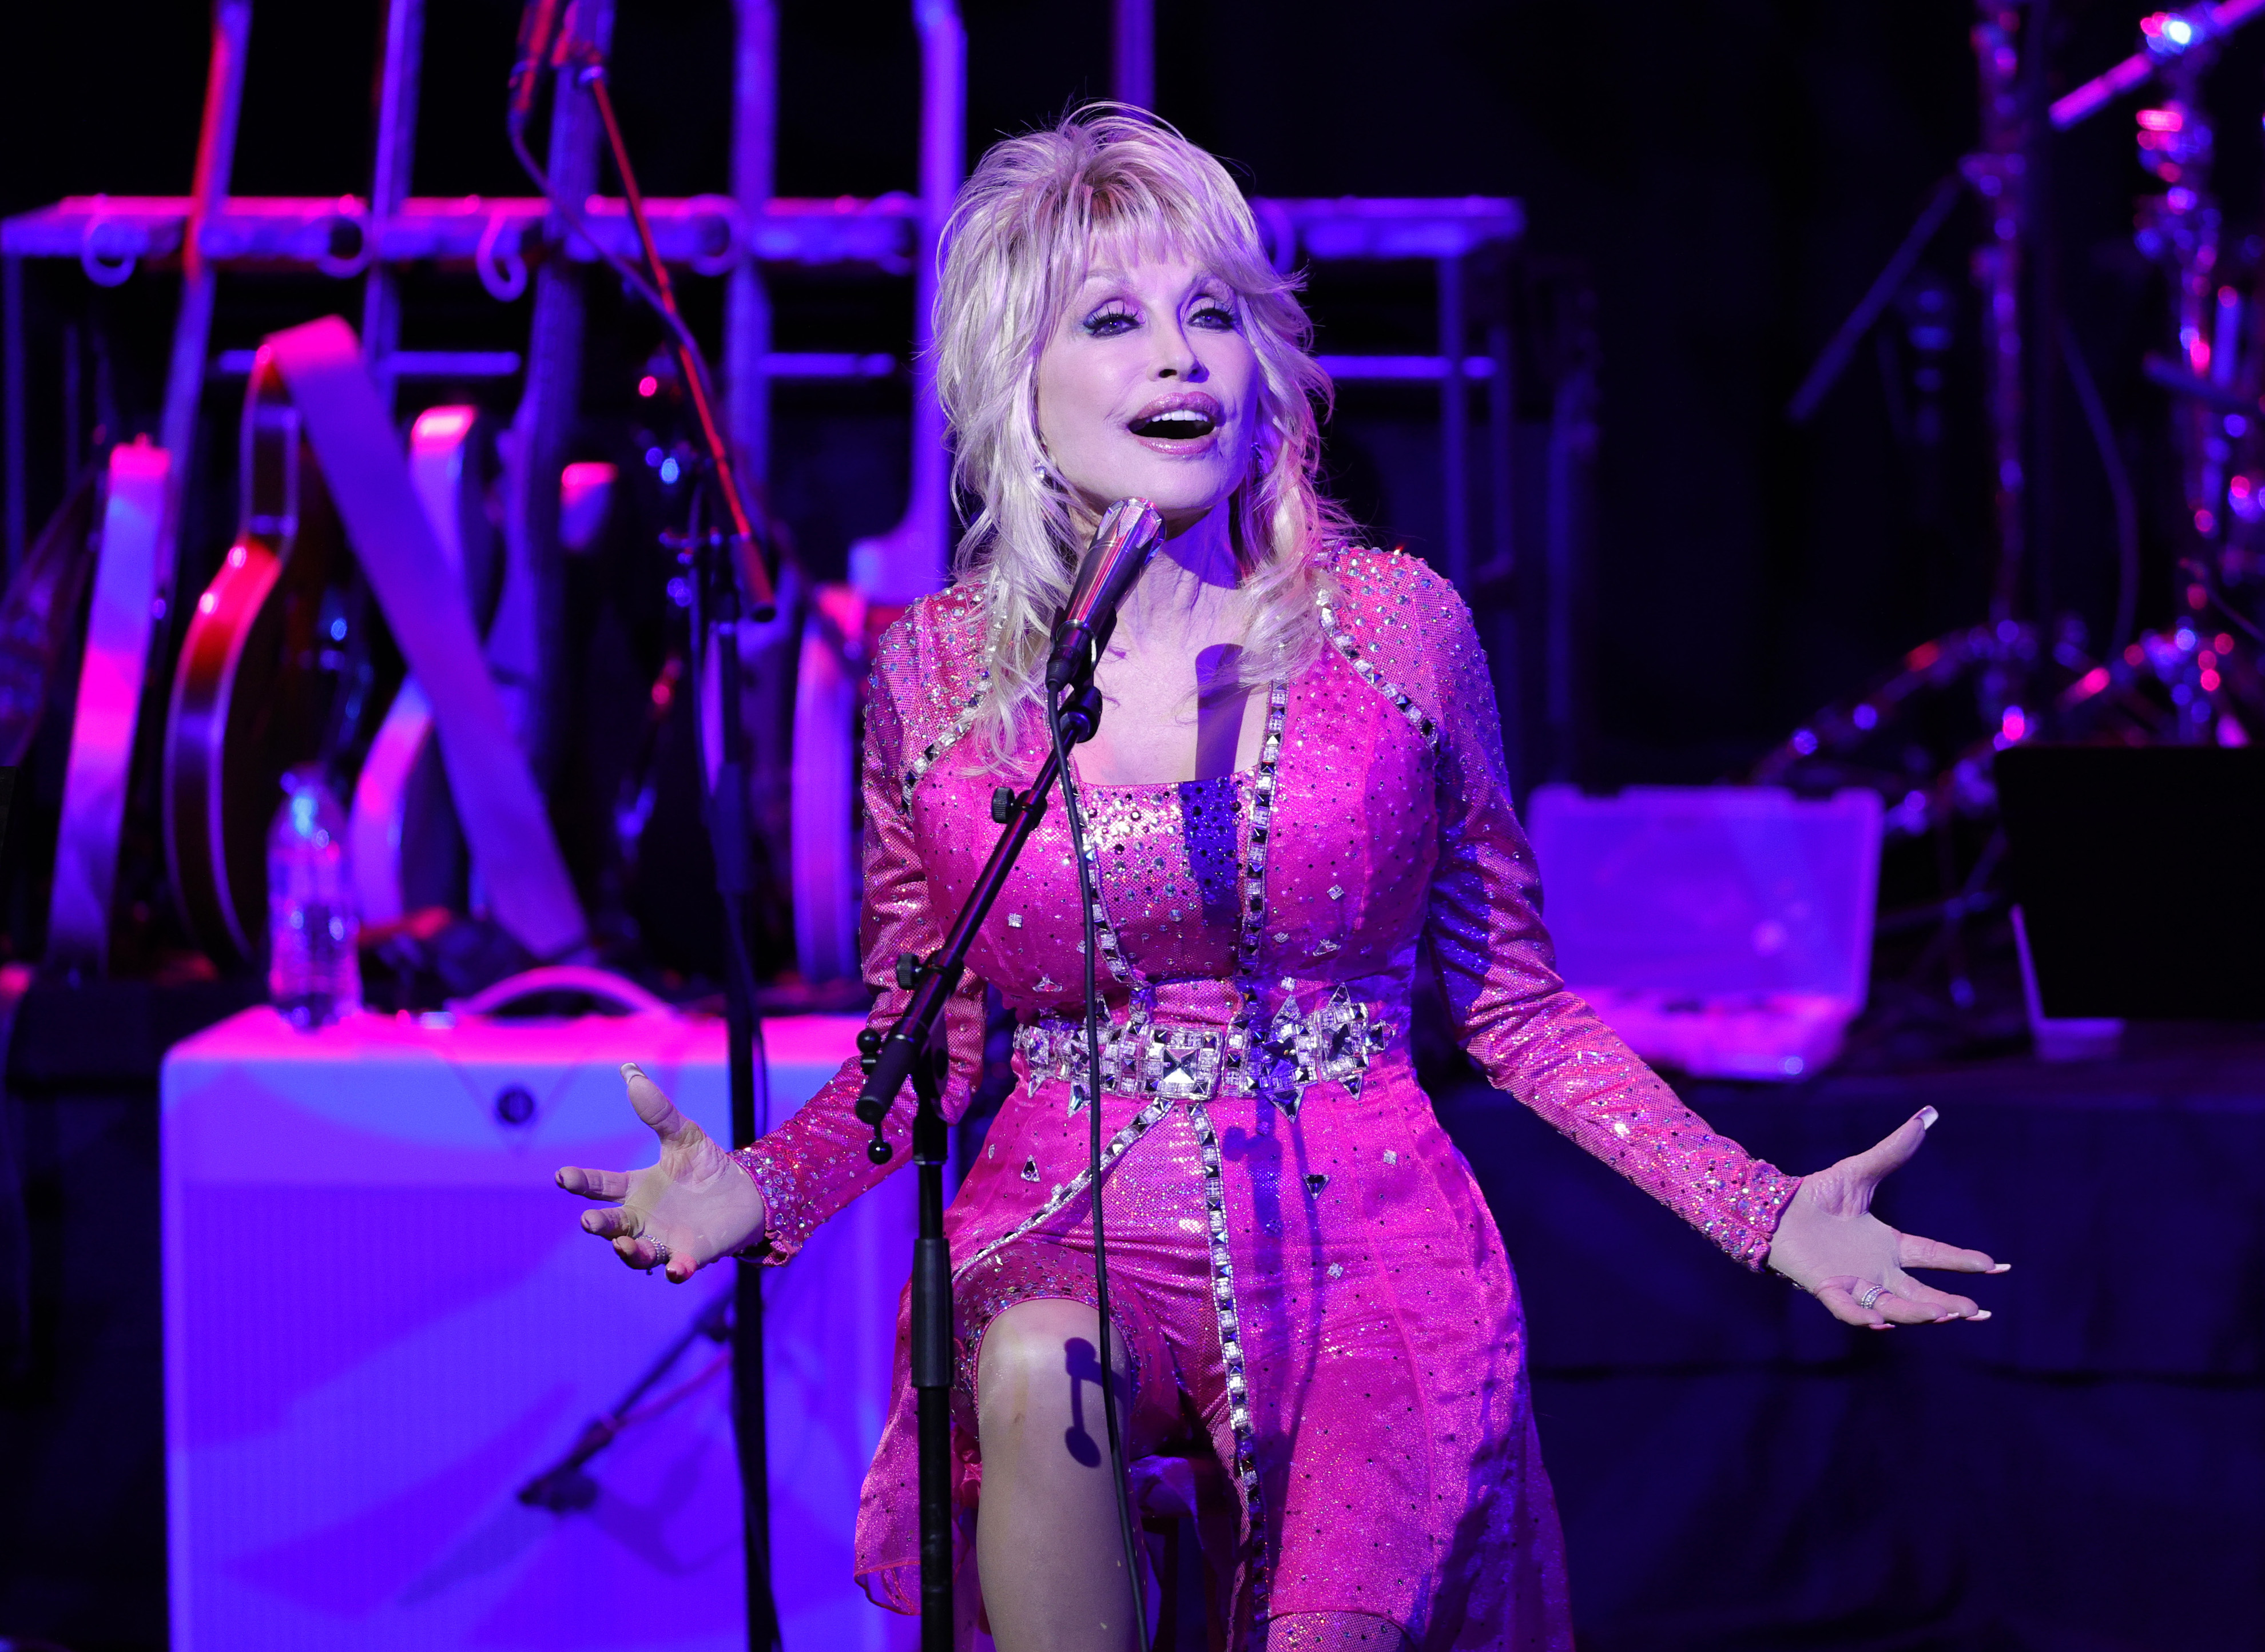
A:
1215, 316
1109, 323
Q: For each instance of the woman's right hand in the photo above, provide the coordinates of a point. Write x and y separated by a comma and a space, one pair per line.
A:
693, 1207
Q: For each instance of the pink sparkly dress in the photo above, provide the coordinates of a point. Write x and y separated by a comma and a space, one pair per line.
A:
1328, 1355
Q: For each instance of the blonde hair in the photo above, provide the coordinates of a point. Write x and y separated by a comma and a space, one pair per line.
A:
1112, 180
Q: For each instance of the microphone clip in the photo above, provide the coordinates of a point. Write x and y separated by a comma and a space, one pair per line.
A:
1079, 711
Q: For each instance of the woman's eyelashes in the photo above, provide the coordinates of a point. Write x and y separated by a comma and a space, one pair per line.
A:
1115, 318
1111, 320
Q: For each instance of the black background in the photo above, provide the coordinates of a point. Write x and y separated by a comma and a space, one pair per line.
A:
1729, 175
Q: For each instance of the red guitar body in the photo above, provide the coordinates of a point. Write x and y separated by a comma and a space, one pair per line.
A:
262, 669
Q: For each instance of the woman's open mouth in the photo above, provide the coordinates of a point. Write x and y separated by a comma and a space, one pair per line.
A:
1181, 424
1187, 417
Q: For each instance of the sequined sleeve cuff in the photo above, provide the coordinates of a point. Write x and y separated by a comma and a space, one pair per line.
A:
1745, 1224
1635, 1124
785, 1226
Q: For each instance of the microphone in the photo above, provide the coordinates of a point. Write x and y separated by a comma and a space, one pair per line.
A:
1121, 548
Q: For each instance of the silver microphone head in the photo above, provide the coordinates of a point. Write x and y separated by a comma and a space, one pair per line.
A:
1128, 533
1128, 537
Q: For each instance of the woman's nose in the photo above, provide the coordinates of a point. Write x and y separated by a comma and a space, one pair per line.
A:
1175, 355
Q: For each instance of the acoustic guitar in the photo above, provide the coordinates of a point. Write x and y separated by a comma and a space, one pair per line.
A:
406, 847
114, 673
287, 660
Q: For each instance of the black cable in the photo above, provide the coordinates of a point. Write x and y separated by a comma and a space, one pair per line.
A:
635, 278
1089, 898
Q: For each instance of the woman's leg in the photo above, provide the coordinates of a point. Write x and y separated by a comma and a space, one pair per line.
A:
1046, 1536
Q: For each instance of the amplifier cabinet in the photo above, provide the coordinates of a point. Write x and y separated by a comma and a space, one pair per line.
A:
381, 1320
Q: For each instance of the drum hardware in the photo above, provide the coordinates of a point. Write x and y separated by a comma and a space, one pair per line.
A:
2197, 681
1923, 734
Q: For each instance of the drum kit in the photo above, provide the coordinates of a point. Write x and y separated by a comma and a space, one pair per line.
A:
1924, 734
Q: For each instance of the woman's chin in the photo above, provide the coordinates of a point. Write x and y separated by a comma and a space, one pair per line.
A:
1181, 499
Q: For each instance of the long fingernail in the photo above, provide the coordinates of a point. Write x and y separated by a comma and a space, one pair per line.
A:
1926, 1117
1977, 1316
2002, 1267
631, 1070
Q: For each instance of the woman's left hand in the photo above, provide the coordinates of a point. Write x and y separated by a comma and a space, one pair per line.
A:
1829, 1244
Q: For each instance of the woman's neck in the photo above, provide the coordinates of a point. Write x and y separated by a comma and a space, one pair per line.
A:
1194, 574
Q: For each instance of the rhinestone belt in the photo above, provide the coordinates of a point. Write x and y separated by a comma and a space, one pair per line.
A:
1332, 1043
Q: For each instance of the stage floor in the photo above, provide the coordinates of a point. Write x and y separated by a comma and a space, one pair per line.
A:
2085, 1472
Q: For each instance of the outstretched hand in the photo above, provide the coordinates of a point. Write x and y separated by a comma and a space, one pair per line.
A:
678, 1215
1830, 1245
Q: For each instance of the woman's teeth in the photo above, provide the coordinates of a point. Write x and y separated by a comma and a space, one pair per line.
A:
1182, 423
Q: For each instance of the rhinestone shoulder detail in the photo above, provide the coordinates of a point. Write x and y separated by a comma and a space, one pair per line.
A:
1359, 653
947, 621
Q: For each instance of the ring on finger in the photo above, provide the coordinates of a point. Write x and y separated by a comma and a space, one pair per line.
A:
1872, 1294
661, 1255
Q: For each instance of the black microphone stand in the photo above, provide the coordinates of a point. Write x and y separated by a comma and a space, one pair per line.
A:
907, 1050
726, 562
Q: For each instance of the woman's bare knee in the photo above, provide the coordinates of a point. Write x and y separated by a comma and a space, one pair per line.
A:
1040, 1370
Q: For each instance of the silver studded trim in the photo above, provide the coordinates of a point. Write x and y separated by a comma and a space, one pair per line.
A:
1417, 718
1245, 1466
1262, 827
1105, 933
1115, 1148
949, 739
1250, 1029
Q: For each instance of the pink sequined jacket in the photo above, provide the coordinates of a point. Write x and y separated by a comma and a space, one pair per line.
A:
1261, 934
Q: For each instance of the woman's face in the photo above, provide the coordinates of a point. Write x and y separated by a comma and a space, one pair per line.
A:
1149, 389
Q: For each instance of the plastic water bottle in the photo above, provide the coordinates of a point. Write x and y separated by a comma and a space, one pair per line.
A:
314, 973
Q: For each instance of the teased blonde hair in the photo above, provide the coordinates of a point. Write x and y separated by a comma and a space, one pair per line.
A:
1112, 180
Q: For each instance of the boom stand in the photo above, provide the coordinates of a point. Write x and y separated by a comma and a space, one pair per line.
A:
726, 565
908, 1052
